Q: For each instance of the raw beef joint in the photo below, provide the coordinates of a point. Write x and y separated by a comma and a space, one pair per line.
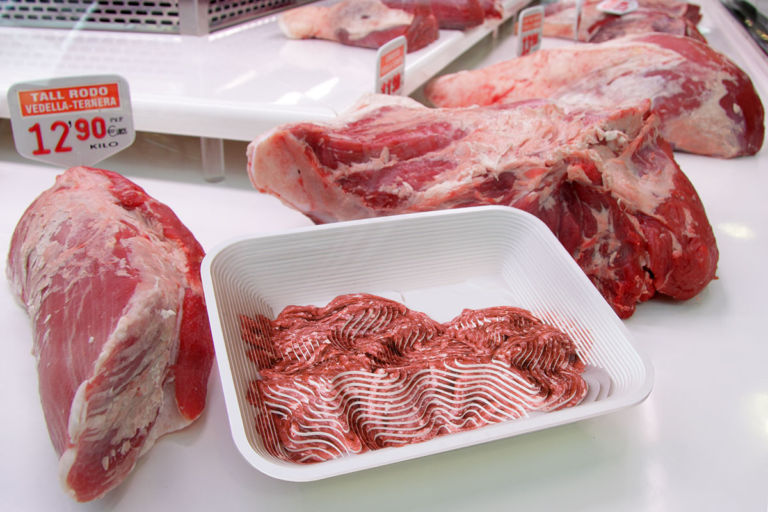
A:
364, 373
363, 23
111, 281
605, 182
706, 104
667, 16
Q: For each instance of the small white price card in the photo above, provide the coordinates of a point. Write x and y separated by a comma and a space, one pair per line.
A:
390, 66
529, 30
617, 7
71, 121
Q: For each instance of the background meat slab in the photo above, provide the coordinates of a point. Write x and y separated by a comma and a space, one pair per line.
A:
605, 182
706, 103
363, 23
667, 16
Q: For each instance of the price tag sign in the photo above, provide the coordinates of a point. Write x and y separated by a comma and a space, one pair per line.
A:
71, 121
390, 67
617, 7
529, 30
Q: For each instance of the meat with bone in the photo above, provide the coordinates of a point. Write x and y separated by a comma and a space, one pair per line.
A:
111, 280
667, 16
706, 104
363, 23
605, 182
364, 373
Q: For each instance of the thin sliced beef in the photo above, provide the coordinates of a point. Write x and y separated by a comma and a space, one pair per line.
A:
363, 23
667, 16
707, 104
605, 182
364, 373
111, 280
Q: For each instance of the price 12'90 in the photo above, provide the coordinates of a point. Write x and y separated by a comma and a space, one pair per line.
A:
97, 128
67, 121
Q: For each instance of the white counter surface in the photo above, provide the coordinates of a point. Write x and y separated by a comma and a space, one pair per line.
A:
698, 443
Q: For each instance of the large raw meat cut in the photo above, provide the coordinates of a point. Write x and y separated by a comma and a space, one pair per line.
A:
111, 280
364, 373
707, 104
605, 182
363, 23
667, 16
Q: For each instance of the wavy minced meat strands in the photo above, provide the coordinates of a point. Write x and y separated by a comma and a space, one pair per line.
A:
364, 373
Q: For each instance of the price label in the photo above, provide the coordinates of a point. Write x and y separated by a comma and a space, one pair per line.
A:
390, 67
72, 120
617, 7
529, 30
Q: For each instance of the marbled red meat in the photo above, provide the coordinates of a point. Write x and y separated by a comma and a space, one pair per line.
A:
707, 105
605, 182
364, 373
667, 16
363, 23
111, 280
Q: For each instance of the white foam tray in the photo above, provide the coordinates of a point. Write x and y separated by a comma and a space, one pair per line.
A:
435, 262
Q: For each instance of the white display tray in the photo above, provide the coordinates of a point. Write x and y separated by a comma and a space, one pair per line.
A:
438, 263
233, 84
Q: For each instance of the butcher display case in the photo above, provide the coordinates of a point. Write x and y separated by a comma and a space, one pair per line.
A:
230, 84
698, 440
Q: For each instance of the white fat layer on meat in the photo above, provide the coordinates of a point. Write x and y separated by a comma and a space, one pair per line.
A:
372, 101
619, 73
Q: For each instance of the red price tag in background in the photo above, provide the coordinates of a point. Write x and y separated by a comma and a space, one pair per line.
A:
529, 30
390, 67
73, 120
